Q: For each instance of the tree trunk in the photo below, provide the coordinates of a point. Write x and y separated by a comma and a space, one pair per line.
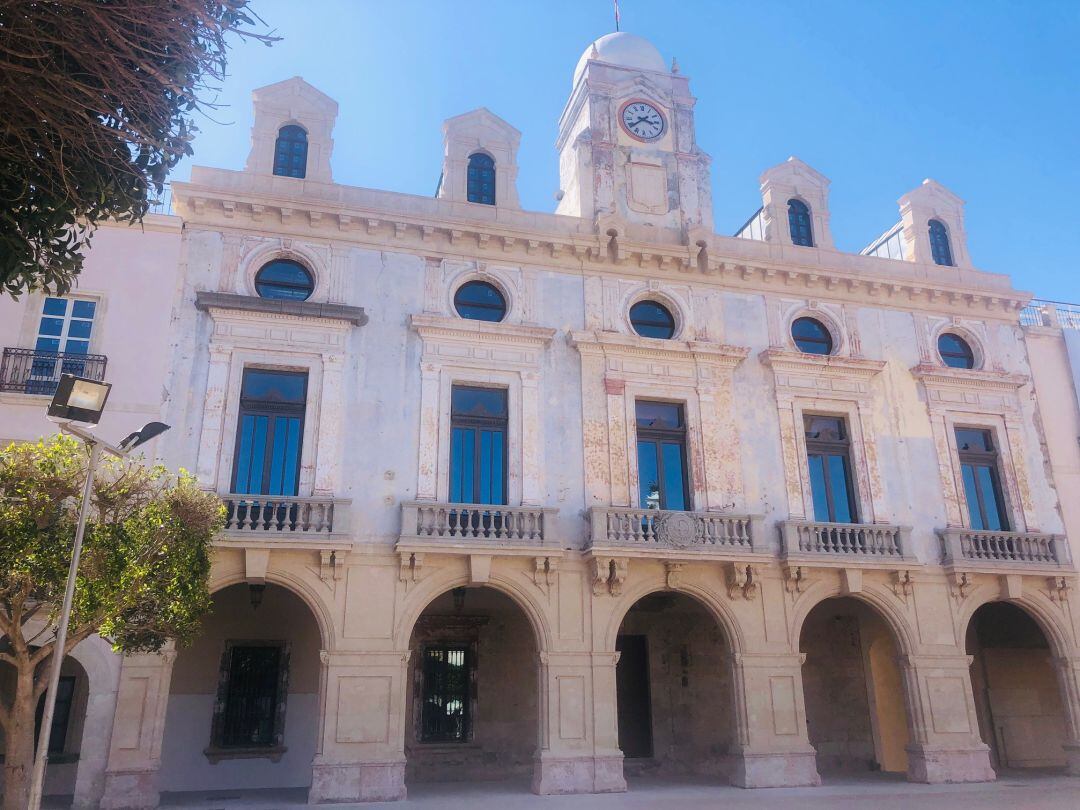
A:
19, 743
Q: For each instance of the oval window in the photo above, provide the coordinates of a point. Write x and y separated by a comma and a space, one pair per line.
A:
811, 336
480, 301
652, 319
284, 278
955, 351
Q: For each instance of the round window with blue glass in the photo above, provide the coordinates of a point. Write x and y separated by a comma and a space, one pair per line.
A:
284, 279
480, 301
652, 319
811, 336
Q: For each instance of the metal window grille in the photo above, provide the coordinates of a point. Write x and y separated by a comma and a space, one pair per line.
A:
448, 671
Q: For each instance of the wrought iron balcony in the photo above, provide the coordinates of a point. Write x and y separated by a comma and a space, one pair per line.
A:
670, 530
471, 523
31, 371
872, 541
1003, 549
267, 515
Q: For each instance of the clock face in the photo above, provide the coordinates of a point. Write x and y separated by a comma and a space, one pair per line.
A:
643, 120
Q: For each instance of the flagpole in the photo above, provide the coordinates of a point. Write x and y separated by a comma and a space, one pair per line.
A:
616, 15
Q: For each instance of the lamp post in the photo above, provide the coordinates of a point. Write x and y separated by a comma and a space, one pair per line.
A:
77, 400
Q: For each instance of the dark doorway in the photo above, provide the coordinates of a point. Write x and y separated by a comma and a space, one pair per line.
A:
634, 702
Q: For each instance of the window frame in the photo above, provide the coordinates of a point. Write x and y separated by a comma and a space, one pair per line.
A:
659, 436
217, 749
796, 209
940, 240
830, 341
478, 196
279, 140
249, 407
988, 459
468, 696
45, 368
826, 448
476, 424
971, 357
662, 305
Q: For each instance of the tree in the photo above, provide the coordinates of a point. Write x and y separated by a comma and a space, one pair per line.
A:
142, 578
97, 99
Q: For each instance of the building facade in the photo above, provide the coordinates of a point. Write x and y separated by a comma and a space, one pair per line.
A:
582, 495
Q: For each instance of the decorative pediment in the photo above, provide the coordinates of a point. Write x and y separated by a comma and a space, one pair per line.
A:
966, 379
449, 339
614, 343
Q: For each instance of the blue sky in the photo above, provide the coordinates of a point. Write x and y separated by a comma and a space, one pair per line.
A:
982, 96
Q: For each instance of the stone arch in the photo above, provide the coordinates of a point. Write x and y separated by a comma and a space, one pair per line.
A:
723, 616
320, 611
1041, 610
435, 585
102, 668
877, 597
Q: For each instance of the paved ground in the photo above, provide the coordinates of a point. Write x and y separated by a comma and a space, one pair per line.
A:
1016, 791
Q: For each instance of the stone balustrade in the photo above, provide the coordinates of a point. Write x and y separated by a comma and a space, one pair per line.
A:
263, 516
665, 529
871, 540
1003, 548
466, 522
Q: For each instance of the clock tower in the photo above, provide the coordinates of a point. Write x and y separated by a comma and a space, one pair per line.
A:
626, 140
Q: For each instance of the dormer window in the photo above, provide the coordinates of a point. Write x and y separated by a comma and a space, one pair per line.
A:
798, 215
939, 244
481, 179
290, 152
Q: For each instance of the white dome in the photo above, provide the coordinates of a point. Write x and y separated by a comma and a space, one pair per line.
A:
625, 50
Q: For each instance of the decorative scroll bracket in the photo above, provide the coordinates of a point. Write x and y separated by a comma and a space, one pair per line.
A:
796, 578
331, 564
742, 580
545, 572
410, 565
902, 584
609, 575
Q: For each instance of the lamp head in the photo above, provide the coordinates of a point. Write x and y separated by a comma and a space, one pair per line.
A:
148, 432
79, 399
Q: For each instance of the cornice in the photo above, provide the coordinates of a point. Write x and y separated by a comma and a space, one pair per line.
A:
400, 222
233, 303
782, 360
946, 377
430, 326
612, 343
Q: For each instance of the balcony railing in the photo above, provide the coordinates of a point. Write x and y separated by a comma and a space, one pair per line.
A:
665, 529
1050, 313
464, 522
269, 515
30, 371
1005, 548
875, 540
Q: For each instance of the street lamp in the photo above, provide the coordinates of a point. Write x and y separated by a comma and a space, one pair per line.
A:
77, 399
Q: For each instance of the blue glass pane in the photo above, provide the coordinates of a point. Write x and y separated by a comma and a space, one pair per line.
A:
243, 455
811, 336
83, 309
292, 458
838, 477
80, 329
284, 279
277, 455
972, 497
51, 326
463, 448
483, 402
652, 319
485, 467
47, 344
817, 487
974, 439
77, 346
939, 244
674, 489
480, 179
658, 414
498, 471
274, 386
258, 454
457, 440
55, 306
480, 301
994, 512
799, 223
648, 475
290, 152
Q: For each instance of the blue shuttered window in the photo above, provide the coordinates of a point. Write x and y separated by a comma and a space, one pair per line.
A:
799, 223
478, 422
939, 244
290, 152
480, 186
269, 432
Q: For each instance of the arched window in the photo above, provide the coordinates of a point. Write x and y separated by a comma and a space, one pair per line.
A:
284, 278
290, 152
652, 319
939, 244
798, 217
481, 185
480, 301
811, 336
955, 351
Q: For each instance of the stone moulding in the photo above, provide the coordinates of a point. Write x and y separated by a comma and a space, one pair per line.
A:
207, 301
869, 543
456, 523
386, 219
995, 551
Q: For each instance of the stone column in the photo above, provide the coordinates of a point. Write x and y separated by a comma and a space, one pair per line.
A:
131, 776
1068, 673
771, 748
569, 760
331, 423
943, 730
102, 667
361, 750
217, 384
